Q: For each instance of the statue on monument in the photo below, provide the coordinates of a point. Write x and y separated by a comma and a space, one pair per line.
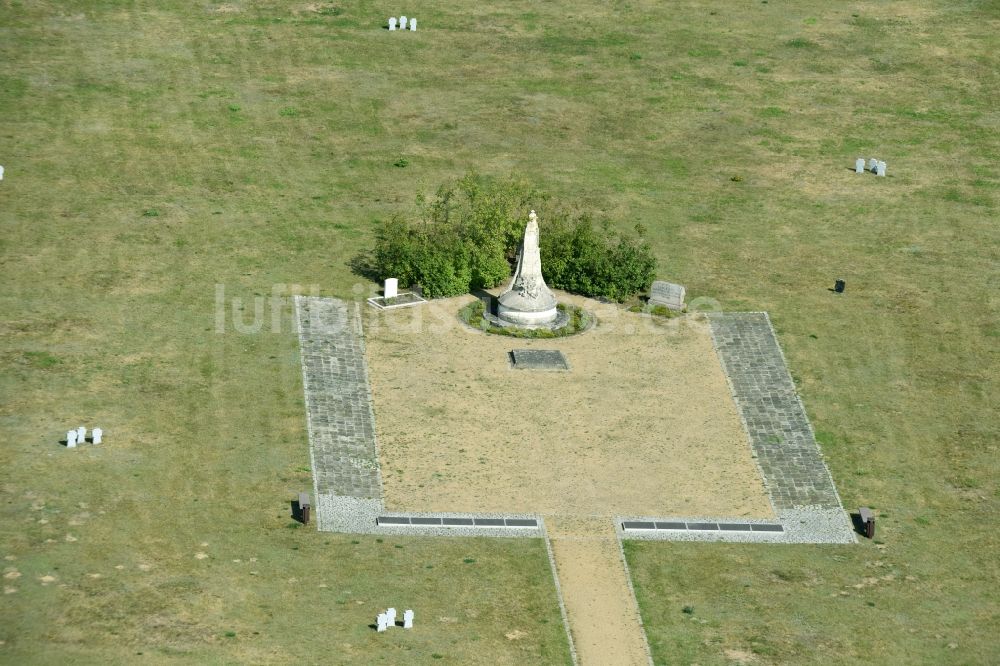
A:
527, 301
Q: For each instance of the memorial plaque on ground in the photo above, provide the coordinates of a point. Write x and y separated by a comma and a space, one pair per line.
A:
668, 294
538, 359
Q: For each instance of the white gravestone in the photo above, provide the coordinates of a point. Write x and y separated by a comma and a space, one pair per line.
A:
668, 294
390, 617
402, 23
392, 23
413, 25
71, 439
1, 173
391, 287
407, 619
96, 434
859, 165
880, 169
81, 434
872, 163
382, 622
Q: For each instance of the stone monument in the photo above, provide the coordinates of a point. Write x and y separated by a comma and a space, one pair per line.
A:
527, 300
667, 293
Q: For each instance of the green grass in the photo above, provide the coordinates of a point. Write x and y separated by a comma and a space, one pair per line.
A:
157, 149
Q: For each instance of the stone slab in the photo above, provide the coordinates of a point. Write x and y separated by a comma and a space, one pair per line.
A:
538, 359
522, 522
667, 293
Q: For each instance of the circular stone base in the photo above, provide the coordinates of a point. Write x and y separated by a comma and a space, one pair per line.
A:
527, 319
561, 319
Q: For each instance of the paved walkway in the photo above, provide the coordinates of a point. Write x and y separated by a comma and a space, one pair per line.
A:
775, 419
338, 401
601, 609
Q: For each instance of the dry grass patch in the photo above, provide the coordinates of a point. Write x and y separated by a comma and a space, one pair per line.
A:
642, 424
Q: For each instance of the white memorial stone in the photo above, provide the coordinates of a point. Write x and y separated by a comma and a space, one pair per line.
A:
1, 173
413, 25
859, 165
872, 163
390, 617
391, 287
382, 622
96, 435
81, 434
71, 439
880, 169
392, 23
668, 294
407, 619
402, 23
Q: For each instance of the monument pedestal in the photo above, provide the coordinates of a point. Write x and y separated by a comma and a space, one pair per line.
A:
528, 302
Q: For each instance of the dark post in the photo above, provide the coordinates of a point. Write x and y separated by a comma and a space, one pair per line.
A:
304, 507
867, 521
838, 286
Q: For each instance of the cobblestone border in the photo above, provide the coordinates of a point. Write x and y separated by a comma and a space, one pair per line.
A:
810, 524
781, 437
339, 415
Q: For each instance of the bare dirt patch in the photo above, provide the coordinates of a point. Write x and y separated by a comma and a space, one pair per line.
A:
602, 614
642, 424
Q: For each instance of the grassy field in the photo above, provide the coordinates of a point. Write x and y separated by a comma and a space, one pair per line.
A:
155, 150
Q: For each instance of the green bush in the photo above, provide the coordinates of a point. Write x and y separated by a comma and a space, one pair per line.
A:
591, 261
468, 235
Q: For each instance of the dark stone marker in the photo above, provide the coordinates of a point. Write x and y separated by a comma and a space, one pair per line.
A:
489, 522
703, 526
457, 521
538, 359
392, 520
304, 508
734, 527
522, 522
867, 521
765, 527
838, 286
670, 526
638, 525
